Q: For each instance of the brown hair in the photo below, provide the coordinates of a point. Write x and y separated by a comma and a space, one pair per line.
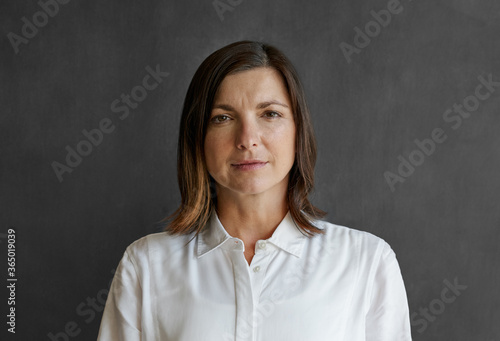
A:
196, 185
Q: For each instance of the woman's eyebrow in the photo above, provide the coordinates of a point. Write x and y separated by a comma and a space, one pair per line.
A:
268, 103
223, 107
259, 106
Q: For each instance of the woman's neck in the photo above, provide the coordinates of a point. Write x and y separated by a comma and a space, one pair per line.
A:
251, 217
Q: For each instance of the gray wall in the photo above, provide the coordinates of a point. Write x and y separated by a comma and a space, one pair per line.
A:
369, 104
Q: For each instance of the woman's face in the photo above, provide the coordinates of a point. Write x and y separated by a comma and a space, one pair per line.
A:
250, 139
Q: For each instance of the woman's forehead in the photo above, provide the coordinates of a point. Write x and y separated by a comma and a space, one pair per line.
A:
254, 86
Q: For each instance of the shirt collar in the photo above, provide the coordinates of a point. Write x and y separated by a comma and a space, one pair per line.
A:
287, 236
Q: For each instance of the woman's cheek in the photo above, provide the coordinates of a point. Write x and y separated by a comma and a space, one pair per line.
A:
281, 133
275, 131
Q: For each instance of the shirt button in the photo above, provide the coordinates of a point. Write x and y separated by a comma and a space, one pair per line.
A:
256, 269
262, 245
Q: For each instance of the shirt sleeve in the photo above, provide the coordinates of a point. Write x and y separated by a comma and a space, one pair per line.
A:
388, 315
121, 319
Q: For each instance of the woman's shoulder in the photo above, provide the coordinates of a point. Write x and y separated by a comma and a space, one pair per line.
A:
347, 238
156, 244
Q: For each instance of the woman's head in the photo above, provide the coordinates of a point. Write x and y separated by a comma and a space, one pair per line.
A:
212, 115
249, 144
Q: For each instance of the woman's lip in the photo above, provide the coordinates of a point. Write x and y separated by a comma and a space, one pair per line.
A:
247, 163
249, 166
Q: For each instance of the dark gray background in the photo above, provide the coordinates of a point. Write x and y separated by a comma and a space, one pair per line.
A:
442, 222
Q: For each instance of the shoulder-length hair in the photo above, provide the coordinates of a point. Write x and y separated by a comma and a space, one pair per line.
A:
196, 185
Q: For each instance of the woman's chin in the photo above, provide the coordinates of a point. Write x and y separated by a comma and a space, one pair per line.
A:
248, 189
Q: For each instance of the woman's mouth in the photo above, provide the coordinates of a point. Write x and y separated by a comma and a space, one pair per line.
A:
249, 165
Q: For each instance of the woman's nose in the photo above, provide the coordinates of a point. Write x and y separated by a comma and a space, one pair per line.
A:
247, 135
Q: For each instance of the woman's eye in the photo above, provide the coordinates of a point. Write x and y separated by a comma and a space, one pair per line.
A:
272, 114
220, 119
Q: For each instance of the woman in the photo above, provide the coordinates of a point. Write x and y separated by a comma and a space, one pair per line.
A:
245, 256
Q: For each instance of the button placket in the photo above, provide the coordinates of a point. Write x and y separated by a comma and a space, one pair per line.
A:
258, 268
259, 256
244, 294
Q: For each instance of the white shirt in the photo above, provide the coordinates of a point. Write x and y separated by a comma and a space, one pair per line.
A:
343, 285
